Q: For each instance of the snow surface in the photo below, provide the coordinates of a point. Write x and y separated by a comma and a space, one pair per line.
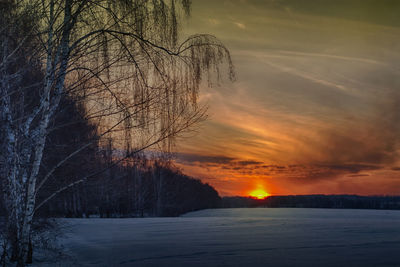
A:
239, 237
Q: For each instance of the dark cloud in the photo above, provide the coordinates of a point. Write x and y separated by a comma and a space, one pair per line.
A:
309, 174
273, 167
352, 168
194, 158
305, 173
249, 162
359, 175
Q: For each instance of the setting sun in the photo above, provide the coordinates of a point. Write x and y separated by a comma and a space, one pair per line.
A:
259, 194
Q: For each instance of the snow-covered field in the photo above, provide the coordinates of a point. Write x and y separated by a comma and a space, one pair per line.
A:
238, 237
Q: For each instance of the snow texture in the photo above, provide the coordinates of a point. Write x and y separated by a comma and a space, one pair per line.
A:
239, 237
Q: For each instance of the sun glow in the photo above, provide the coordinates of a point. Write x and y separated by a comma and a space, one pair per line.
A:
259, 194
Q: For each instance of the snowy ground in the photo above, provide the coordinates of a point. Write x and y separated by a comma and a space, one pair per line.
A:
238, 237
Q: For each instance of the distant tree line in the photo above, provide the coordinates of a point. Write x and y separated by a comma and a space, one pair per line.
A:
315, 201
137, 188
150, 188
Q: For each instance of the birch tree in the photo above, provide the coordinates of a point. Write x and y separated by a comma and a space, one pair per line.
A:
123, 59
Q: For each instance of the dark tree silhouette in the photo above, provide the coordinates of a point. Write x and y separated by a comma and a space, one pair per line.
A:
123, 61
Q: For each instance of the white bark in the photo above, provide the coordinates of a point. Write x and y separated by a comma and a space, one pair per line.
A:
49, 106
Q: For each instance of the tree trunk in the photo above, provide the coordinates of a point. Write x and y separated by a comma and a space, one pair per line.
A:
3, 259
29, 257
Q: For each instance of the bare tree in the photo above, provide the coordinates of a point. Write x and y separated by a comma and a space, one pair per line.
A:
122, 59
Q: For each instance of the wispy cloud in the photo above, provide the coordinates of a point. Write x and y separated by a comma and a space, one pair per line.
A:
240, 25
213, 21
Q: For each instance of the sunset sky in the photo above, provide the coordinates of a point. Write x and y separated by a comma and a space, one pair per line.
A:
316, 105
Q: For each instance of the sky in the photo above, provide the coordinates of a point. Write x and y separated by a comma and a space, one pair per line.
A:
316, 105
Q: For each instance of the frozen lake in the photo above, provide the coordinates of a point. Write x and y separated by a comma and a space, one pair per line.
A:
240, 237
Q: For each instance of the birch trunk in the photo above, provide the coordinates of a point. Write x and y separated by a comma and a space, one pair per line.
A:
49, 104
